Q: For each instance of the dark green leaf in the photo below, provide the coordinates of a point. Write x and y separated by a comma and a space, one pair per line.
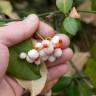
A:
61, 84
20, 68
71, 25
93, 5
64, 5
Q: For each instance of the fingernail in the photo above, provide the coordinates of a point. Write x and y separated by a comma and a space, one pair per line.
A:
31, 18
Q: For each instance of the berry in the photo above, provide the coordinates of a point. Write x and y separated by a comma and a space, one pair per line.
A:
49, 50
55, 39
22, 55
51, 59
45, 43
58, 52
42, 53
29, 60
45, 58
38, 62
33, 54
38, 46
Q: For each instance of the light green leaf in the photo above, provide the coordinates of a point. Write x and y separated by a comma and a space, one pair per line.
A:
2, 22
71, 25
20, 68
64, 5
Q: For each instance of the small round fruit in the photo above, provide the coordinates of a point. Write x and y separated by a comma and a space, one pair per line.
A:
22, 55
33, 54
42, 53
38, 46
45, 58
58, 52
51, 59
55, 39
29, 60
45, 43
38, 62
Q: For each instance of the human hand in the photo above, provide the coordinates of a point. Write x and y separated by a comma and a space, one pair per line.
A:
16, 32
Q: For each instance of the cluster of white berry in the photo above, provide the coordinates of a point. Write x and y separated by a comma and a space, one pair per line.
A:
43, 51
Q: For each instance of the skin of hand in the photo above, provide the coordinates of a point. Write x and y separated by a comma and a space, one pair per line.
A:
16, 32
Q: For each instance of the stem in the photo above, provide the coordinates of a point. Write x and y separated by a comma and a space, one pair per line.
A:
81, 75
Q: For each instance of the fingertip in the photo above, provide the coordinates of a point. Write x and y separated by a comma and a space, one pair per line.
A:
68, 54
46, 30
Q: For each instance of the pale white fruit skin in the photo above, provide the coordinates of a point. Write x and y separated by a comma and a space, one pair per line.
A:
39, 45
55, 39
58, 52
51, 59
38, 62
45, 58
42, 53
45, 42
33, 54
49, 50
22, 55
29, 60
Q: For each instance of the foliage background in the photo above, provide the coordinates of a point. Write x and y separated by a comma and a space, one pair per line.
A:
83, 43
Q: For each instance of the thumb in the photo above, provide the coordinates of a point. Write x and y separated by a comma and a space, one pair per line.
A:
16, 32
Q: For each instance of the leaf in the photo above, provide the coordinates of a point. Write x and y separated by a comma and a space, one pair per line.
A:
93, 6
2, 22
62, 83
64, 5
21, 68
5, 7
35, 86
71, 25
78, 88
91, 70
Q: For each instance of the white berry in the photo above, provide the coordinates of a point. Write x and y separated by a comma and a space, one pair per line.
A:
33, 54
45, 42
42, 53
51, 59
45, 58
29, 60
55, 39
38, 62
22, 55
39, 46
49, 50
58, 52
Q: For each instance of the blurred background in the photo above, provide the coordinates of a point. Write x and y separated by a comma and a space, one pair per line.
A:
81, 80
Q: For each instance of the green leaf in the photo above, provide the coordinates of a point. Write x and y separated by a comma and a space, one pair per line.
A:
61, 84
20, 68
71, 25
93, 6
84, 90
2, 22
91, 70
78, 88
64, 5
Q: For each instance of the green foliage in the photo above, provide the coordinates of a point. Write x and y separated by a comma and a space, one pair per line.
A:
71, 25
64, 5
62, 83
91, 70
72, 87
93, 5
19, 68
